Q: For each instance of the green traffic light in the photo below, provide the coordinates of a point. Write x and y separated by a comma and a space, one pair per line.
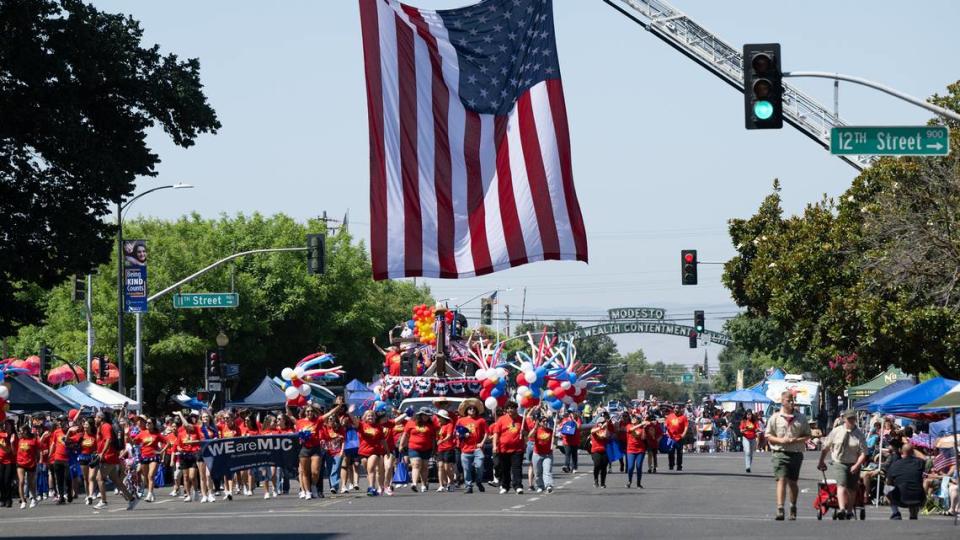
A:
763, 110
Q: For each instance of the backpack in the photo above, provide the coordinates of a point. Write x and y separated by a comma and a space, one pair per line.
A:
568, 428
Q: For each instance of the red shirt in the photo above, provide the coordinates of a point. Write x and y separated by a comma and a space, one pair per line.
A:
446, 430
635, 438
371, 439
420, 438
188, 439
477, 430
105, 446
598, 439
334, 439
389, 438
8, 448
653, 432
59, 442
28, 453
314, 428
542, 441
392, 361
248, 432
149, 443
227, 431
45, 448
676, 425
749, 429
171, 439
573, 440
88, 443
509, 433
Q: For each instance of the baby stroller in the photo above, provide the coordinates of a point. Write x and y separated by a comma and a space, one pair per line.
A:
827, 499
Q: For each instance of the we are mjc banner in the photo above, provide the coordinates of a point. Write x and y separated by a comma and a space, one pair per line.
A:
226, 456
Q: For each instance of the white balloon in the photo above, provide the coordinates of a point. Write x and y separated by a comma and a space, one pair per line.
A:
526, 366
565, 385
567, 399
481, 374
491, 403
286, 373
305, 390
291, 392
501, 372
298, 371
4, 393
530, 376
524, 391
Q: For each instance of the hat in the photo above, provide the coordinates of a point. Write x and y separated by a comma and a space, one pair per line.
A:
850, 413
426, 411
73, 414
470, 402
442, 413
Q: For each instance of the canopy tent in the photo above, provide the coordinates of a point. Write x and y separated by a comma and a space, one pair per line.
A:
743, 396
911, 400
29, 395
357, 393
266, 396
951, 400
109, 397
897, 386
776, 374
944, 427
888, 377
70, 392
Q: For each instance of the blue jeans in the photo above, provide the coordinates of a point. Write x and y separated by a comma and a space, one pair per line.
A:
333, 465
635, 461
749, 445
543, 470
472, 463
570, 457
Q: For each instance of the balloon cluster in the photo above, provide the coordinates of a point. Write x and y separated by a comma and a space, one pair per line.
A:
66, 373
7, 368
552, 375
423, 323
298, 379
31, 364
491, 372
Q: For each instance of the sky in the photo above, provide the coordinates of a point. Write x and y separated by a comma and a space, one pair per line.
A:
660, 155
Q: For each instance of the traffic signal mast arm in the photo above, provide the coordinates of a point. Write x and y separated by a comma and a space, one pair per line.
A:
726, 62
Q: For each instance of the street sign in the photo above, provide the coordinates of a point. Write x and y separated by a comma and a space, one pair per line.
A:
214, 386
890, 141
686, 378
206, 300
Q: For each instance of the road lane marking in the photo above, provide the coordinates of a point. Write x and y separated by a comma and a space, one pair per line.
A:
531, 499
517, 507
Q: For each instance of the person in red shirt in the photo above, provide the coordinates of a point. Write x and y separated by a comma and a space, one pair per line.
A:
28, 456
600, 435
419, 439
371, 450
446, 451
748, 431
391, 359
152, 444
250, 428
313, 437
509, 434
108, 460
392, 431
677, 428
208, 431
542, 434
188, 446
571, 442
8, 462
472, 431
653, 432
335, 436
62, 437
88, 447
636, 447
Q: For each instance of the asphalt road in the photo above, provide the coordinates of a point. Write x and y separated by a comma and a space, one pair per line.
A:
712, 497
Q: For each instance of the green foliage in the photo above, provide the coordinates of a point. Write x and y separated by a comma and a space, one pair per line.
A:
77, 96
284, 314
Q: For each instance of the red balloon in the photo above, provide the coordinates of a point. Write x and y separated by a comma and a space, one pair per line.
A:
553, 384
520, 380
502, 400
485, 393
449, 316
560, 393
300, 401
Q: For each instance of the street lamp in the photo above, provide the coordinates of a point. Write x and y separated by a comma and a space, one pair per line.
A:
121, 206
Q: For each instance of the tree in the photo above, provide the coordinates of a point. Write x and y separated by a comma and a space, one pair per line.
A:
77, 96
284, 313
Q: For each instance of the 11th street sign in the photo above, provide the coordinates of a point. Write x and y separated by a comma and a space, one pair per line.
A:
890, 141
206, 300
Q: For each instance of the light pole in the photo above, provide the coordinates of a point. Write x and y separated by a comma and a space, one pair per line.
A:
222, 342
121, 206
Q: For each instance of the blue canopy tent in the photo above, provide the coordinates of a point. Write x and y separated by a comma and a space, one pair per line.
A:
944, 427
892, 388
266, 396
743, 396
73, 394
29, 395
358, 394
909, 401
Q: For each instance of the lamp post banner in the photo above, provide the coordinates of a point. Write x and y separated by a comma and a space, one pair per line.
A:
226, 456
135, 276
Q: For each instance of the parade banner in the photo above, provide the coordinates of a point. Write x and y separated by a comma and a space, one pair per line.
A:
226, 456
135, 276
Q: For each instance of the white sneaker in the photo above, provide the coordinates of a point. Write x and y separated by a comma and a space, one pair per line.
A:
266, 495
149, 497
175, 492
519, 491
23, 504
203, 499
186, 498
503, 490
441, 489
423, 489
308, 496
302, 495
33, 503
349, 487
273, 493
539, 490
100, 505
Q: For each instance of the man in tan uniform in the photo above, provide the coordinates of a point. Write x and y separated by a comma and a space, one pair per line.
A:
787, 431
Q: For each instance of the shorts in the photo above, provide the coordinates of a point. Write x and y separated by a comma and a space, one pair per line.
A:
28, 469
315, 451
188, 460
419, 454
154, 459
84, 459
365, 456
787, 465
844, 477
351, 452
447, 456
528, 452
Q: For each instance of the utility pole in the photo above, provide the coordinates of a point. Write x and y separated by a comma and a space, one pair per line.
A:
506, 310
89, 314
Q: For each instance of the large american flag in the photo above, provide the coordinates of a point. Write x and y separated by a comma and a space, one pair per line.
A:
470, 167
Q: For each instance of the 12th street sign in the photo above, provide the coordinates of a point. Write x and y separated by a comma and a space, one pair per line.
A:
206, 300
890, 141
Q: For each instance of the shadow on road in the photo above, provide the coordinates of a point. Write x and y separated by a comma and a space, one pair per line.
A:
738, 475
194, 536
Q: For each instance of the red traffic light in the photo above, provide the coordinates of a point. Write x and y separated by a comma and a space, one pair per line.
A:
688, 257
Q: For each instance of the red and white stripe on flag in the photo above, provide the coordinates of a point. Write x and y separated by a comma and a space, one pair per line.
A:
455, 193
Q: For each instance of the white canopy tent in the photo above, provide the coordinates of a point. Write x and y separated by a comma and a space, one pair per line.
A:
105, 395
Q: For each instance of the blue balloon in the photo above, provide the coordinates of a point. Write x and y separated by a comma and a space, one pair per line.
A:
411, 324
496, 392
541, 371
556, 404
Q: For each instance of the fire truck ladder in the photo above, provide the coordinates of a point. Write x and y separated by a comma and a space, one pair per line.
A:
717, 56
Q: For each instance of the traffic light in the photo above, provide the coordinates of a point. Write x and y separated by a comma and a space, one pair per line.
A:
79, 293
316, 254
46, 357
693, 339
699, 370
688, 267
212, 369
698, 321
486, 311
762, 86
